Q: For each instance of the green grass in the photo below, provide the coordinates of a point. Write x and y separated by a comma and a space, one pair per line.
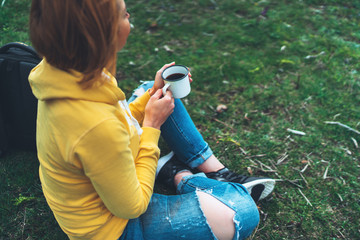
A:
275, 65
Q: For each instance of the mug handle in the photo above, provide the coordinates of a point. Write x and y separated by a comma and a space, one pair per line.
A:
167, 85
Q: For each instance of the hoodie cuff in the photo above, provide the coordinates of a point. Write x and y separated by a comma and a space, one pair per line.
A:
143, 99
137, 107
150, 136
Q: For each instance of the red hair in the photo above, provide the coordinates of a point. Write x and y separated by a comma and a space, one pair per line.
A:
76, 34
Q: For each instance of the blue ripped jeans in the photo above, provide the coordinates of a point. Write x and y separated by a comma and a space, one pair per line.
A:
171, 217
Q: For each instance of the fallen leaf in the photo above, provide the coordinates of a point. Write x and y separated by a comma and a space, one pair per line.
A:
167, 48
221, 108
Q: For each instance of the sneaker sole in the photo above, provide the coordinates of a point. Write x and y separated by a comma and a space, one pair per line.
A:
162, 161
268, 184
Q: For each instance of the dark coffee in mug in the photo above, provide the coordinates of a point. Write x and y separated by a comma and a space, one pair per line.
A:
176, 79
175, 76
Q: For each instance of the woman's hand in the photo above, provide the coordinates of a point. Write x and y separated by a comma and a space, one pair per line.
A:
159, 82
158, 109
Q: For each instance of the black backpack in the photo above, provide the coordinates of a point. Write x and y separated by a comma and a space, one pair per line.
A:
18, 106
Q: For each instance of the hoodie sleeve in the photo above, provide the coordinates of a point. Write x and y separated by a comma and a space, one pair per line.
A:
137, 107
124, 184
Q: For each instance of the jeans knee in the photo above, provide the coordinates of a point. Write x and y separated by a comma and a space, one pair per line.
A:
246, 216
229, 219
218, 216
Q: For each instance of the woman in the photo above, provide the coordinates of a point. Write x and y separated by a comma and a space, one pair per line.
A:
98, 155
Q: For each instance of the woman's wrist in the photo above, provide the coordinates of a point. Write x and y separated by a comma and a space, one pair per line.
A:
151, 124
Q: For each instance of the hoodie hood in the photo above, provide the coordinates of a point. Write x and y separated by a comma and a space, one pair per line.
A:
50, 83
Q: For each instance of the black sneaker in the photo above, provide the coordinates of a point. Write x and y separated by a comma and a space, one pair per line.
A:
168, 167
258, 187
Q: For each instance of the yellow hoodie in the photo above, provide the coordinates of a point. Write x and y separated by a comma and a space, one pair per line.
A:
96, 170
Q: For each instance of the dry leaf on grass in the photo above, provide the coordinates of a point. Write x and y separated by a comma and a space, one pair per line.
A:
221, 108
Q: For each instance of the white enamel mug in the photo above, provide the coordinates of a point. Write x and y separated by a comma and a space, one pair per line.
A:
176, 78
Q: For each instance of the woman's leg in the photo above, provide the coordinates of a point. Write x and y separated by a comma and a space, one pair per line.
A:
218, 215
170, 217
183, 138
233, 195
205, 209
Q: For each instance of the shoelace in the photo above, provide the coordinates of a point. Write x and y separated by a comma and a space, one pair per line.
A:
228, 175
234, 177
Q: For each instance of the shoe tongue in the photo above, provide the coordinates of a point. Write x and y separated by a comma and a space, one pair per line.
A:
223, 170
